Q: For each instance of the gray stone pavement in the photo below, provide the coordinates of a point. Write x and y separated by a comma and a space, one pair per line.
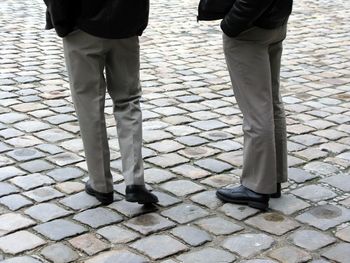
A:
192, 145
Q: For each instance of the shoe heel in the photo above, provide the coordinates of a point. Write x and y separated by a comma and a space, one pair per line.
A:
260, 206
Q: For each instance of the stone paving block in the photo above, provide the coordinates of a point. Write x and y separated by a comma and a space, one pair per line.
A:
190, 171
181, 130
311, 239
166, 146
166, 200
10, 245
149, 223
118, 235
117, 256
43, 194
80, 201
308, 139
59, 253
12, 222
213, 165
207, 198
60, 118
66, 173
12, 117
73, 145
70, 187
159, 246
32, 181
216, 135
54, 135
24, 141
219, 226
155, 175
288, 204
4, 147
338, 253
191, 235
131, 209
341, 181
248, 245
191, 140
36, 166
238, 212
15, 202
49, 148
273, 223
198, 152
6, 189
321, 168
4, 161
234, 158
258, 261
220, 180
24, 259
10, 133
31, 126
344, 234
207, 125
226, 145
63, 159
207, 255
290, 254
167, 160
311, 154
184, 213
98, 217
345, 202
182, 187
325, 216
300, 175
88, 243
46, 212
314, 193
59, 229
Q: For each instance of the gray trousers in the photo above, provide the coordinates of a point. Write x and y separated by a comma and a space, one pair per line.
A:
253, 60
87, 57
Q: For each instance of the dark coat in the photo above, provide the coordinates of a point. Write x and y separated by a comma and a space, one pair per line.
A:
113, 19
266, 14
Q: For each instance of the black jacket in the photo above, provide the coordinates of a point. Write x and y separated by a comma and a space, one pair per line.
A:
267, 14
103, 18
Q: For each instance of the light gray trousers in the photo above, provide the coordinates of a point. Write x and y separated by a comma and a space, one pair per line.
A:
87, 57
253, 60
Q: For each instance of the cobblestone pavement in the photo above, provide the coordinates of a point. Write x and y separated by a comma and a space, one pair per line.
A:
192, 146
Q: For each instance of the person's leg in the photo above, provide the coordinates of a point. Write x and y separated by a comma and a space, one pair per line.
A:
123, 84
85, 62
248, 63
275, 53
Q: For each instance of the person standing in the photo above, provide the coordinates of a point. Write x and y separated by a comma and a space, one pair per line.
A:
101, 48
252, 40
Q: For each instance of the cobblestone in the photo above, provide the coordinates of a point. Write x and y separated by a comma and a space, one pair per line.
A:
193, 144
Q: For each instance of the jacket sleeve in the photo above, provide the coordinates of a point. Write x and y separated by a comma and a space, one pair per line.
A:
242, 15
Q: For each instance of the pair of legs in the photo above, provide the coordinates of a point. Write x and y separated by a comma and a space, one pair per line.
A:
253, 60
95, 64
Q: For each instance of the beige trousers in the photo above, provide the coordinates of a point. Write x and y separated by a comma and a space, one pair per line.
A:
95, 64
254, 59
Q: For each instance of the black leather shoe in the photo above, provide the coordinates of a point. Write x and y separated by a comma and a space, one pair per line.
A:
242, 195
104, 198
139, 194
278, 192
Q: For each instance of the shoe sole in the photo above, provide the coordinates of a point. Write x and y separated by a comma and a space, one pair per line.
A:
257, 205
104, 201
134, 199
